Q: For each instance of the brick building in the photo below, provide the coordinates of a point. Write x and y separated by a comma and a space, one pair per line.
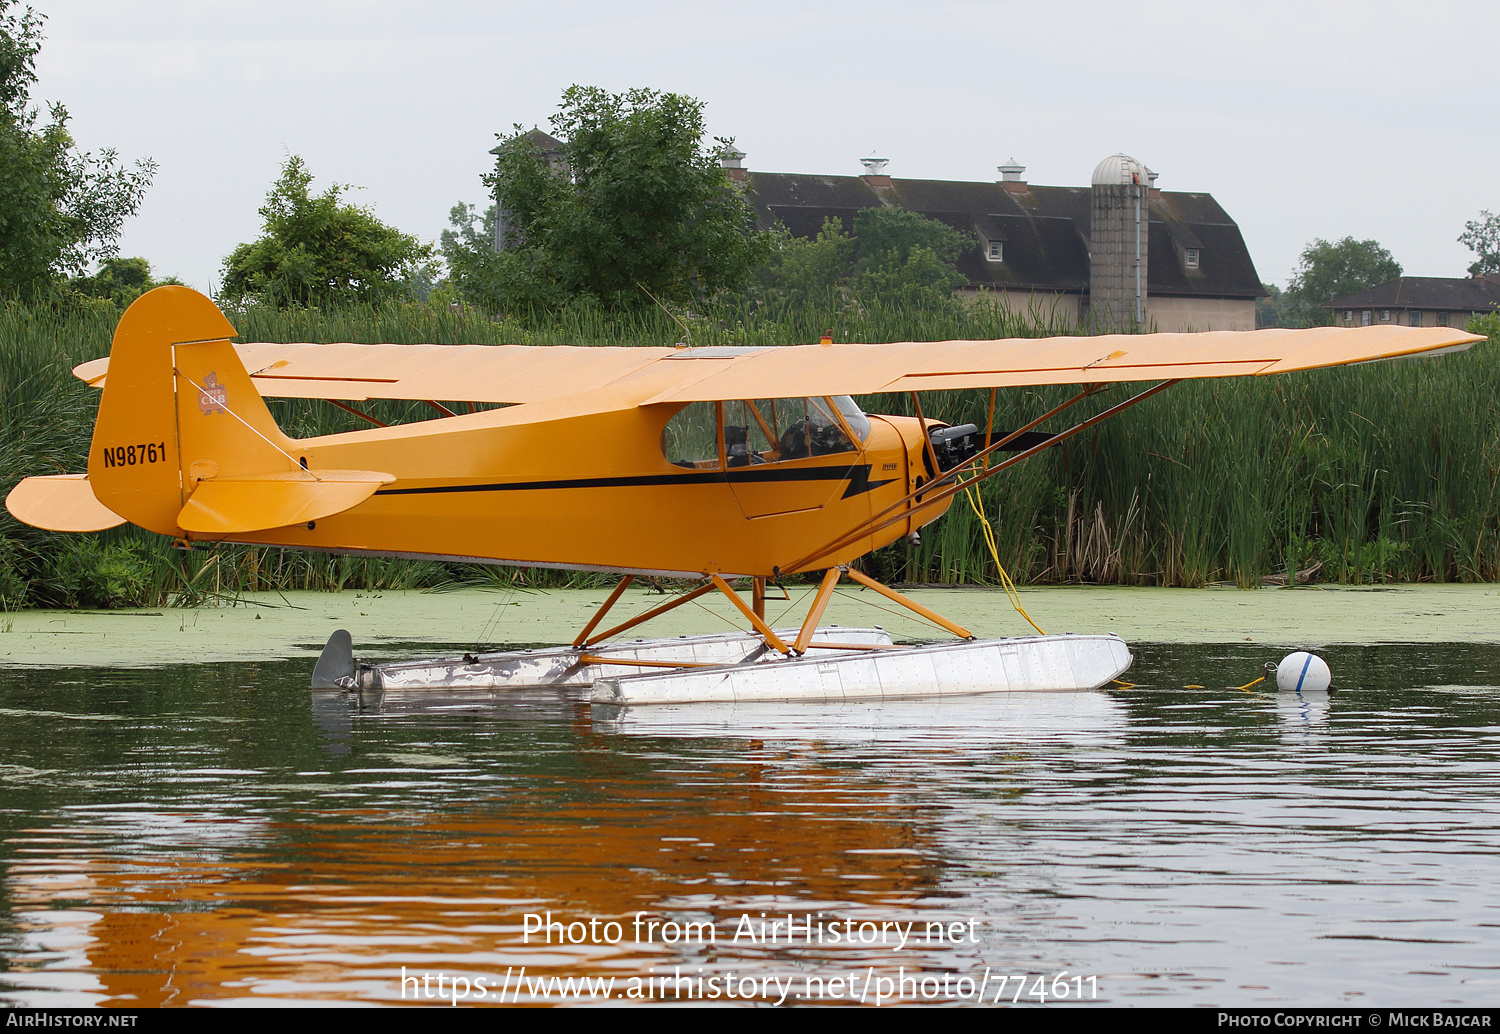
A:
1419, 301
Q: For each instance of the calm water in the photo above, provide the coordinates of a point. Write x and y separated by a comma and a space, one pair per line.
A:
187, 835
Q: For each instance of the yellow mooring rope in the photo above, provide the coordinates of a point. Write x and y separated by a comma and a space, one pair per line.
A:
989, 540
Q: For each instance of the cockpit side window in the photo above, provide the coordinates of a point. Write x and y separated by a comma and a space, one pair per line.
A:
691, 438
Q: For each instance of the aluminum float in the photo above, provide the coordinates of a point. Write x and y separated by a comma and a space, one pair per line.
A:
1056, 663
857, 664
567, 666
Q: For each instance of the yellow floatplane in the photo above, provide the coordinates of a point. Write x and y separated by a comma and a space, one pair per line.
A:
719, 465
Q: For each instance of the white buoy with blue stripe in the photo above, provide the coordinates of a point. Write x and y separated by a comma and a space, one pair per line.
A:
1303, 672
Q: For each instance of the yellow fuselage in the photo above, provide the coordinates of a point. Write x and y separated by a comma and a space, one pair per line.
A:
564, 484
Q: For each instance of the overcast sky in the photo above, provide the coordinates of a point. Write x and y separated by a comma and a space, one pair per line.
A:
1304, 119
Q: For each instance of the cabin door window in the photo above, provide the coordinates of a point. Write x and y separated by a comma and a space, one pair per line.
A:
758, 431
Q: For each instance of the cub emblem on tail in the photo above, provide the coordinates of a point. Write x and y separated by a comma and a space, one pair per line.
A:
213, 397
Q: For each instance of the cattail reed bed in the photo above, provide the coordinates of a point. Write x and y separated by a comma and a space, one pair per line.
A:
1384, 472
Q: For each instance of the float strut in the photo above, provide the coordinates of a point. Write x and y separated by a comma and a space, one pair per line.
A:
614, 597
653, 612
911, 605
755, 620
820, 603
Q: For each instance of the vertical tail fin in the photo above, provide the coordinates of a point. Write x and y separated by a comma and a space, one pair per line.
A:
178, 406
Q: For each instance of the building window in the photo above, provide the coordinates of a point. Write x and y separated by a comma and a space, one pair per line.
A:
1442, 319
1192, 258
1385, 315
1348, 316
996, 252
1364, 318
1415, 320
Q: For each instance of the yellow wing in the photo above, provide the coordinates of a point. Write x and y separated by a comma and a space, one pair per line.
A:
523, 373
1015, 362
467, 373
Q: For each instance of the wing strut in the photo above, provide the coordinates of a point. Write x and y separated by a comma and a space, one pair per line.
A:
358, 413
953, 486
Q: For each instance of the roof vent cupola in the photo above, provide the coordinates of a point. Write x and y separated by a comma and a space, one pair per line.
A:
732, 161
875, 171
1010, 176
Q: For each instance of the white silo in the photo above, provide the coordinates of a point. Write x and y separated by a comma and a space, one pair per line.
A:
1118, 242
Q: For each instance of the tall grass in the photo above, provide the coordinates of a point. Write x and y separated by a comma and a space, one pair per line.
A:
1381, 472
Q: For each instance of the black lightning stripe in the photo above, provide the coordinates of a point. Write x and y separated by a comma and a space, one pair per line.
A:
858, 476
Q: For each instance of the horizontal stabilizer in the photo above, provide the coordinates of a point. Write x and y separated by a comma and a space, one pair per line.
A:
258, 502
60, 502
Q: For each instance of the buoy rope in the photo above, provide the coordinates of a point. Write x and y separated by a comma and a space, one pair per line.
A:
989, 540
1243, 689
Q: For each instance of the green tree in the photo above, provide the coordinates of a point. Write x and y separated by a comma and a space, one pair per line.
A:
907, 259
638, 201
893, 256
1482, 237
61, 209
1327, 271
121, 280
889, 235
809, 272
514, 280
318, 249
1284, 309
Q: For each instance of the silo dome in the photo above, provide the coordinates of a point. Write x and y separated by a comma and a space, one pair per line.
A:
1119, 170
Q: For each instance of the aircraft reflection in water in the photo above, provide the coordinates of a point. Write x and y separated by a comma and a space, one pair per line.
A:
331, 905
